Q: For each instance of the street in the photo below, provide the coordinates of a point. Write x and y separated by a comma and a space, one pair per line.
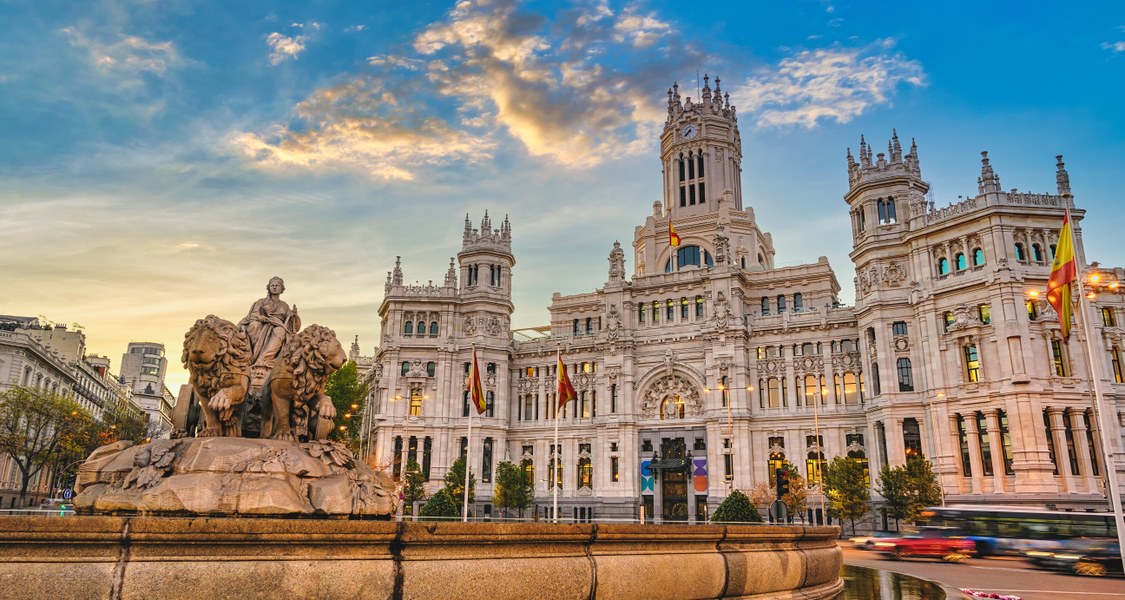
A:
1007, 575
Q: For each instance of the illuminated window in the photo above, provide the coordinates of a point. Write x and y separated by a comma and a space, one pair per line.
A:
984, 311
1032, 310
699, 307
1058, 357
1109, 319
1115, 360
948, 318
972, 364
985, 448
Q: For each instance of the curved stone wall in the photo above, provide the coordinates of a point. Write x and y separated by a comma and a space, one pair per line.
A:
201, 558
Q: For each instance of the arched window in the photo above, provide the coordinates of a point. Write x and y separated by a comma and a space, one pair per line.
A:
670, 311
905, 376
408, 328
978, 257
589, 325
891, 216
699, 307
1052, 248
780, 304
742, 262
765, 306
961, 263
431, 368
1036, 253
420, 328
405, 367
685, 310
689, 256
672, 407
433, 329
798, 302
943, 266
1020, 254
882, 211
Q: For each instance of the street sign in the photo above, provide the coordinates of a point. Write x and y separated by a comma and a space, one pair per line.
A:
778, 512
67, 493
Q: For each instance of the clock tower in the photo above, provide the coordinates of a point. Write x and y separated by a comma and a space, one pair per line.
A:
700, 149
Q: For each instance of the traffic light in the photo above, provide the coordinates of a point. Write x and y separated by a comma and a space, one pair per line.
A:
782, 478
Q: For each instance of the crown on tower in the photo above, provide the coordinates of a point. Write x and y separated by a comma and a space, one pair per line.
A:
877, 166
713, 102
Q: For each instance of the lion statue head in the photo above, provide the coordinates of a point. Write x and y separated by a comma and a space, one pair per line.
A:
214, 347
217, 355
312, 355
296, 384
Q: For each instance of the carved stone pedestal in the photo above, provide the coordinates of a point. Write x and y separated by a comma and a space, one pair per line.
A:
232, 476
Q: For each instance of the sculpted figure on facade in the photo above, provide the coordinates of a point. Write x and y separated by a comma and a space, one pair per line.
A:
268, 325
616, 263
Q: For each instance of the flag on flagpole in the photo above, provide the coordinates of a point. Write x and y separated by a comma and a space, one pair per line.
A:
566, 389
673, 237
1063, 271
476, 391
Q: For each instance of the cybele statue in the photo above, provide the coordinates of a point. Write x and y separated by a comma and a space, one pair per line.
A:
261, 448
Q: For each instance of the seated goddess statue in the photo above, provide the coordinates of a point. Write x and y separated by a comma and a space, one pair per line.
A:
269, 324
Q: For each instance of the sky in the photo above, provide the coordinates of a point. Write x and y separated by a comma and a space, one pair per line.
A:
161, 160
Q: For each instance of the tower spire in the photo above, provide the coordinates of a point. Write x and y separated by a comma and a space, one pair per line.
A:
989, 181
1062, 178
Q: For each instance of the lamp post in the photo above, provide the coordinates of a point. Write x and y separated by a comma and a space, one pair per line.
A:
1094, 281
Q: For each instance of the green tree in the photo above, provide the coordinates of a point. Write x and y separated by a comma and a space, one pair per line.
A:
895, 489
736, 508
924, 485
414, 486
455, 483
349, 396
849, 495
512, 488
796, 501
440, 506
33, 425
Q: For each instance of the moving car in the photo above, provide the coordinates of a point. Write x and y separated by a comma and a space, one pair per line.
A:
867, 542
1084, 556
946, 543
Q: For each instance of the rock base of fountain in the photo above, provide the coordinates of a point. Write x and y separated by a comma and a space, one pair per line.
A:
232, 476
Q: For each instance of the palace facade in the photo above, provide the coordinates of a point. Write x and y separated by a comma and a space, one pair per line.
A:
709, 366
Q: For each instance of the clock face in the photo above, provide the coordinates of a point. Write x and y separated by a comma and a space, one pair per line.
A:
688, 131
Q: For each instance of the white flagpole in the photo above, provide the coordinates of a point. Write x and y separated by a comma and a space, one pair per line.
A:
1100, 415
474, 375
468, 448
554, 478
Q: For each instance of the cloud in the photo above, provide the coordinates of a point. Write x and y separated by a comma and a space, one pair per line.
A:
354, 28
1115, 47
574, 88
283, 47
360, 124
834, 84
129, 54
641, 30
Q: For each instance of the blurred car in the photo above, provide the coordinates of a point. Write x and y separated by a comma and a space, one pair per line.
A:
56, 505
867, 542
946, 543
1084, 556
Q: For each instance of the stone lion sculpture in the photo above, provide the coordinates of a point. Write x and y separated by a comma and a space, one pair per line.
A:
217, 354
295, 386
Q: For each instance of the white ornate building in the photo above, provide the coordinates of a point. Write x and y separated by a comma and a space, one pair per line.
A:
709, 366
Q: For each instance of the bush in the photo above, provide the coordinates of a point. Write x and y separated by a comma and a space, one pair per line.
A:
440, 506
736, 508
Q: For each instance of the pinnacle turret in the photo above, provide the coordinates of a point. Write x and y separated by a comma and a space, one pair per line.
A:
988, 181
1062, 178
878, 165
451, 274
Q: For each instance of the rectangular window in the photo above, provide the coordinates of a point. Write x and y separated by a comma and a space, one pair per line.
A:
585, 467
1094, 470
641, 314
1115, 360
614, 471
1050, 441
1006, 444
898, 328
613, 398
1068, 434
982, 440
1032, 311
963, 438
972, 364
699, 307
670, 313
948, 319
1109, 319
427, 449
416, 402
684, 309
984, 311
655, 312
1058, 358
486, 462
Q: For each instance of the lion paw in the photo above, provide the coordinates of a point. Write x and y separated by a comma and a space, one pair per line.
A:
211, 432
286, 436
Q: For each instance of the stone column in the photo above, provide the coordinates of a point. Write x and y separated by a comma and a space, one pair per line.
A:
996, 445
976, 482
896, 450
1062, 460
1078, 426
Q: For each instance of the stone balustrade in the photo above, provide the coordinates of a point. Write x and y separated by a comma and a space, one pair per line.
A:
170, 558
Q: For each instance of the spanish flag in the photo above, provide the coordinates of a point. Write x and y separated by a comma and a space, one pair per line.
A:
566, 389
673, 238
472, 384
1063, 271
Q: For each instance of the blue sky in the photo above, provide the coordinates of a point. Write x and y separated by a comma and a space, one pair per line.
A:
163, 159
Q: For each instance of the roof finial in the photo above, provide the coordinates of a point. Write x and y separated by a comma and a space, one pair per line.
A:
1062, 178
